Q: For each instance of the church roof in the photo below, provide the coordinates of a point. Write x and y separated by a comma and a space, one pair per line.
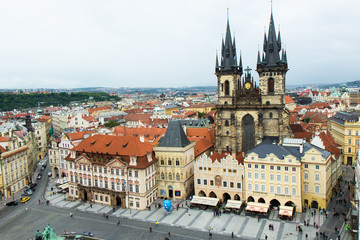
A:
174, 136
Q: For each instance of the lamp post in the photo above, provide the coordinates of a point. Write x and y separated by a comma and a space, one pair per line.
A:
209, 228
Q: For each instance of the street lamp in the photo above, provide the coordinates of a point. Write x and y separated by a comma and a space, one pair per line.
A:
209, 228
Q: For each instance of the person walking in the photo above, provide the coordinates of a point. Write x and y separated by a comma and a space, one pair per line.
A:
71, 214
150, 229
266, 237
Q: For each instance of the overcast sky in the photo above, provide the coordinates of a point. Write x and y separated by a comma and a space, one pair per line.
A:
86, 43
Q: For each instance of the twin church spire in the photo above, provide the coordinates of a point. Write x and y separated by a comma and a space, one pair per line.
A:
273, 55
228, 56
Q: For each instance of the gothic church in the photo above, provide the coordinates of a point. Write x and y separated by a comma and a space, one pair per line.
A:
246, 113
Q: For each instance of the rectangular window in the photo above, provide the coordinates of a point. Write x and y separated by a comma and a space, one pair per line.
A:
112, 185
117, 172
95, 169
256, 166
349, 132
256, 187
101, 183
349, 140
293, 179
249, 186
263, 166
89, 182
317, 189
293, 169
278, 168
231, 184
249, 175
306, 166
136, 173
278, 178
238, 185
205, 182
224, 183
137, 188
199, 181
262, 176
131, 188
118, 186
122, 172
317, 167
101, 198
130, 173
263, 189
272, 189
137, 204
286, 169
96, 182
211, 182
306, 188
272, 177
106, 185
306, 176
100, 170
112, 171
256, 175
249, 165
271, 167
278, 190
286, 178
286, 191
105, 170
317, 177
293, 191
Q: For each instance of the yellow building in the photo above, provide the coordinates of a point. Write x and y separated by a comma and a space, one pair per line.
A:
169, 109
200, 107
220, 176
295, 173
175, 154
345, 128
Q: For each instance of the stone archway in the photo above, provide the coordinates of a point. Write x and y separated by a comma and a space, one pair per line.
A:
202, 194
275, 203
251, 199
237, 197
261, 200
248, 130
212, 195
314, 204
290, 204
118, 201
226, 197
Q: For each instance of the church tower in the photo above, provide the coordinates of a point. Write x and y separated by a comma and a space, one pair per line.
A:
272, 68
246, 113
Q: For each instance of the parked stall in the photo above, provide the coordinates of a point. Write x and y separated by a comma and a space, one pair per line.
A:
204, 202
234, 206
286, 212
257, 209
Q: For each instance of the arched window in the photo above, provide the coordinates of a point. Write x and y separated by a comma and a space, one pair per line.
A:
271, 115
169, 161
226, 122
271, 85
162, 175
227, 88
177, 177
227, 132
177, 162
170, 176
222, 87
162, 161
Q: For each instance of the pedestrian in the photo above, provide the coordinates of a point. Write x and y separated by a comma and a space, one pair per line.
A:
266, 237
169, 234
210, 235
104, 215
150, 229
314, 224
90, 205
338, 237
269, 226
232, 234
107, 217
118, 222
113, 209
39, 201
306, 236
71, 214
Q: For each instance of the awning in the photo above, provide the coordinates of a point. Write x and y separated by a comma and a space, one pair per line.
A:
257, 207
286, 211
233, 204
64, 186
205, 201
61, 180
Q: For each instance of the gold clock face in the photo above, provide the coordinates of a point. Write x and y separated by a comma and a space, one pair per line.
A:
247, 85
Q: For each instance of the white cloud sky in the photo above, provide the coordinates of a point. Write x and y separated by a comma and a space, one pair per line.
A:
86, 43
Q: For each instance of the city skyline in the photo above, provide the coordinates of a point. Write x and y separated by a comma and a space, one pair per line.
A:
166, 44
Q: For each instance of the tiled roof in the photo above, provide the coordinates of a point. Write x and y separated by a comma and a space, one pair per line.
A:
92, 110
329, 143
4, 139
77, 135
288, 99
342, 117
150, 135
216, 156
174, 136
137, 117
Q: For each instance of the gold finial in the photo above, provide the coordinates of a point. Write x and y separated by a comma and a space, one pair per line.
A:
227, 13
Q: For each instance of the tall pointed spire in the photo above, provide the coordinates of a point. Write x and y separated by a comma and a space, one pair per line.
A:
240, 62
217, 62
228, 50
258, 58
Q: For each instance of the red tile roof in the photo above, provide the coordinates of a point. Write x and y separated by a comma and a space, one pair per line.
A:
288, 99
92, 110
216, 156
150, 135
329, 143
137, 117
4, 139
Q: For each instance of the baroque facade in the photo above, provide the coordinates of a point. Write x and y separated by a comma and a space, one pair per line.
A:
246, 113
